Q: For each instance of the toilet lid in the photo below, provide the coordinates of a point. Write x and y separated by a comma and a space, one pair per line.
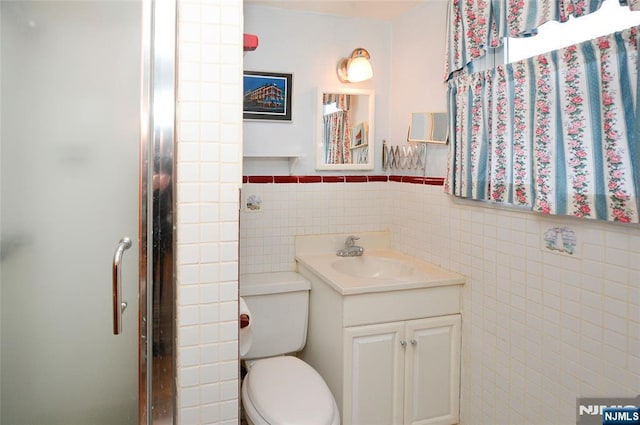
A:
286, 390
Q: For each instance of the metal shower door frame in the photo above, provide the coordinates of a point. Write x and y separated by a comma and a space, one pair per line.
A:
156, 380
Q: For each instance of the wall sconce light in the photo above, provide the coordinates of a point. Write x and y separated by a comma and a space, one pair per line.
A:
355, 68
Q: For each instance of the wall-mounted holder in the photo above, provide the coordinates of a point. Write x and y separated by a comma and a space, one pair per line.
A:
407, 157
561, 240
253, 203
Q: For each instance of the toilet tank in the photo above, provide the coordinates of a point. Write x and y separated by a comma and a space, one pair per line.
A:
279, 307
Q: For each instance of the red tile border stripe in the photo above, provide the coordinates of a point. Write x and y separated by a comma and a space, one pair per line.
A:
433, 181
356, 179
411, 179
310, 179
332, 179
260, 179
378, 178
285, 179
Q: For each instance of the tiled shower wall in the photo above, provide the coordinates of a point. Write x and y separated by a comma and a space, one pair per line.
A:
209, 133
539, 328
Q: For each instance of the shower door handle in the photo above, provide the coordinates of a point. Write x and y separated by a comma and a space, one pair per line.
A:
118, 305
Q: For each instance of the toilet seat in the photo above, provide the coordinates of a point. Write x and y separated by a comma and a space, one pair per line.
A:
286, 390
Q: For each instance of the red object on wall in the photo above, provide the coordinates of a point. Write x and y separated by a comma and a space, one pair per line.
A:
244, 320
250, 42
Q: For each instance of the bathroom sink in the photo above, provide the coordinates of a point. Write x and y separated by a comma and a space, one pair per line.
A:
373, 266
375, 271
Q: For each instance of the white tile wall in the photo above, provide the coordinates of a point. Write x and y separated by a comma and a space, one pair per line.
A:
267, 236
209, 133
539, 328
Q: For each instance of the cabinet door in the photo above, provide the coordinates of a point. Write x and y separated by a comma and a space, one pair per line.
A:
432, 376
373, 374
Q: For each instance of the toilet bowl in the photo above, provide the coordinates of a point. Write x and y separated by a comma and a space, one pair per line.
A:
280, 389
285, 390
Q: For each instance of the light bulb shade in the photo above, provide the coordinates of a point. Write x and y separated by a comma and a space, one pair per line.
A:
356, 68
359, 69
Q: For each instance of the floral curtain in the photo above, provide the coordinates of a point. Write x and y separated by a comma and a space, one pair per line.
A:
342, 101
337, 130
475, 25
557, 133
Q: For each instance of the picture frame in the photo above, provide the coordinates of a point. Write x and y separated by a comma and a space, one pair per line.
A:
267, 96
359, 136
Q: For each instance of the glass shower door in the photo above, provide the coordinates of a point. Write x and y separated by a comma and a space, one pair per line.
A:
70, 130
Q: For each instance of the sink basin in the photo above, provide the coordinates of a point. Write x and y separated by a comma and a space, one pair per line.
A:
369, 266
375, 271
379, 269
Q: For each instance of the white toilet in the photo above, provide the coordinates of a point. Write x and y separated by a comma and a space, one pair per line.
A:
281, 389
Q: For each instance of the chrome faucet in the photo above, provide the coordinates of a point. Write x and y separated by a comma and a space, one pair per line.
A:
350, 248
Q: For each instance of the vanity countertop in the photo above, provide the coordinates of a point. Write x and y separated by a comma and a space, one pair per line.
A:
376, 271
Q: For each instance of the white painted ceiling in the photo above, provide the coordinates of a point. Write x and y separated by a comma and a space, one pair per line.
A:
375, 9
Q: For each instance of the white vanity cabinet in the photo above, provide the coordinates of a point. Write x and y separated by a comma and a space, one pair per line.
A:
390, 357
402, 372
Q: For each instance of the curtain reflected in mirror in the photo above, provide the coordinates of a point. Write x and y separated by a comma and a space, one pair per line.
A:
336, 128
345, 135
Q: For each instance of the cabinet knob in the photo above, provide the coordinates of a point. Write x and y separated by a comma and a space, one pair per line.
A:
414, 342
403, 343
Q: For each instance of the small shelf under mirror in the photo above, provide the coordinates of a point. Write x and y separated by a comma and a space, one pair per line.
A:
292, 158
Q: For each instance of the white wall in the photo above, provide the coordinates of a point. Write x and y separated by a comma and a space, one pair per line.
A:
309, 45
407, 56
417, 74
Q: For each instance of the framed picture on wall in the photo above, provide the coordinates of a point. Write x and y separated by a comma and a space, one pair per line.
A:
359, 135
267, 96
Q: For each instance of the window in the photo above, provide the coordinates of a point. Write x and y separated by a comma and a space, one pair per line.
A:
611, 17
330, 108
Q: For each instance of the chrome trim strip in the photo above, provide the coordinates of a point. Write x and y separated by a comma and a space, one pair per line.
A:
157, 389
144, 405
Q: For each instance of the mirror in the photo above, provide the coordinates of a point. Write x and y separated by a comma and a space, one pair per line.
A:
428, 127
345, 129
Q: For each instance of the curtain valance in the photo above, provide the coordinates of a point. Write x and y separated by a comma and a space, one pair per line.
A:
341, 100
557, 133
475, 25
